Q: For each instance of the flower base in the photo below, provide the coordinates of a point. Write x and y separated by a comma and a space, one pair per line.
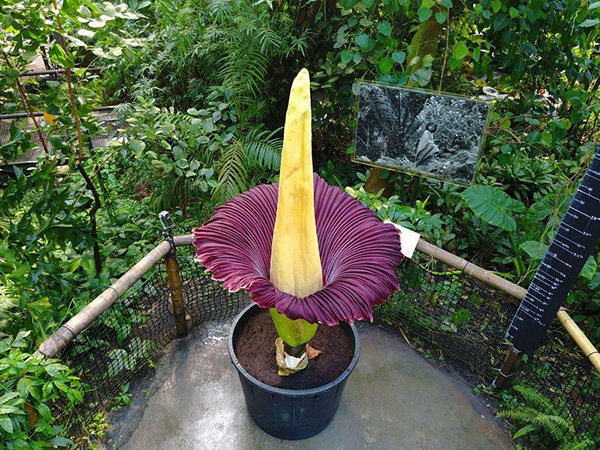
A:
286, 413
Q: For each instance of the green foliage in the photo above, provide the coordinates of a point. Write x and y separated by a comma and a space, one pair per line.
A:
192, 161
498, 209
30, 385
494, 206
123, 399
47, 268
263, 149
206, 82
194, 46
544, 424
433, 227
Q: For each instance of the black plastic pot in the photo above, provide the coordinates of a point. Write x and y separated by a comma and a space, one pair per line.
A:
287, 413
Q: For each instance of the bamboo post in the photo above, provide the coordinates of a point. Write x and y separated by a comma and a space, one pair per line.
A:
514, 290
174, 278
517, 292
579, 337
65, 334
80, 321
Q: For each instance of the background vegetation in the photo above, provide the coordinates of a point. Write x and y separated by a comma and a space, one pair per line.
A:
202, 87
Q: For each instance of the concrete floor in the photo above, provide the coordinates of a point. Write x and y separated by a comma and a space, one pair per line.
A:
394, 400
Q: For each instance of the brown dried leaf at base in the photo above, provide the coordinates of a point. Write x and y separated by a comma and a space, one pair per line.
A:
312, 352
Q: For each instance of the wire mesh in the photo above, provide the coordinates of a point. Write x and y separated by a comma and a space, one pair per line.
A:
123, 341
439, 309
464, 320
108, 123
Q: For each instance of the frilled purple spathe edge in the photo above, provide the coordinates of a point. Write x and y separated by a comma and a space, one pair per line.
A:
359, 254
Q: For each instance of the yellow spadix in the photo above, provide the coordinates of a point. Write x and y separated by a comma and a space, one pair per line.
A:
295, 261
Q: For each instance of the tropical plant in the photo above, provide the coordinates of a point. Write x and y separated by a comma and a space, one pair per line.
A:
193, 161
206, 81
280, 242
543, 423
435, 228
51, 260
498, 209
194, 46
30, 385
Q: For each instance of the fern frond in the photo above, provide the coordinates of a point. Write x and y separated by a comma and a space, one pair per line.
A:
221, 9
262, 149
522, 415
586, 444
232, 173
298, 44
244, 71
269, 40
556, 426
525, 430
536, 399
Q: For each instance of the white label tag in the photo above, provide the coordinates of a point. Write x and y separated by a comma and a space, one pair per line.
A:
408, 239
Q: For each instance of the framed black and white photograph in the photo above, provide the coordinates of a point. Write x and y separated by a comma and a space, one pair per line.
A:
432, 134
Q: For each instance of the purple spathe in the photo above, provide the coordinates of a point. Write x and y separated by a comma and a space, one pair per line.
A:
359, 254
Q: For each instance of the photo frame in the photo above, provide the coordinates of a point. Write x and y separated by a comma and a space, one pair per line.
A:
427, 133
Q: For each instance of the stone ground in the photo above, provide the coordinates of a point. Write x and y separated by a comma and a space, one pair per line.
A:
393, 400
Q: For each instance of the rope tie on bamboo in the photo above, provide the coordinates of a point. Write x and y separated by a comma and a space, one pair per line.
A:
465, 267
171, 242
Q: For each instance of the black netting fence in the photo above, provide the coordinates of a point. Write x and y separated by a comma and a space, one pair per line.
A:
456, 318
123, 341
108, 120
448, 315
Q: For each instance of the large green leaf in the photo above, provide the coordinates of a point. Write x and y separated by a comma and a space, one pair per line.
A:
589, 269
536, 250
362, 40
551, 205
494, 206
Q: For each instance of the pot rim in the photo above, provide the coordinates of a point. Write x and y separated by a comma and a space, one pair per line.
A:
291, 392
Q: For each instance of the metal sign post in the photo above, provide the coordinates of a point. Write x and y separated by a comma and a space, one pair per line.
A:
568, 252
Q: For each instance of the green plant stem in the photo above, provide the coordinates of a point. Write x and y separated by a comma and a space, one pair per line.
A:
92, 213
519, 261
88, 181
293, 332
446, 50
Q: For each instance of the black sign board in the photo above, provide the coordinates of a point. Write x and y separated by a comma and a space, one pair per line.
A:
568, 252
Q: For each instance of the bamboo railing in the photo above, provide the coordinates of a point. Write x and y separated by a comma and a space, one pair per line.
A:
67, 332
514, 290
80, 321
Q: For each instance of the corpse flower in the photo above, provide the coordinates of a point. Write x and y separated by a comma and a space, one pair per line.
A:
303, 249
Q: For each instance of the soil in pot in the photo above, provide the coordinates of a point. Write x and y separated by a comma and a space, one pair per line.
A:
255, 351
